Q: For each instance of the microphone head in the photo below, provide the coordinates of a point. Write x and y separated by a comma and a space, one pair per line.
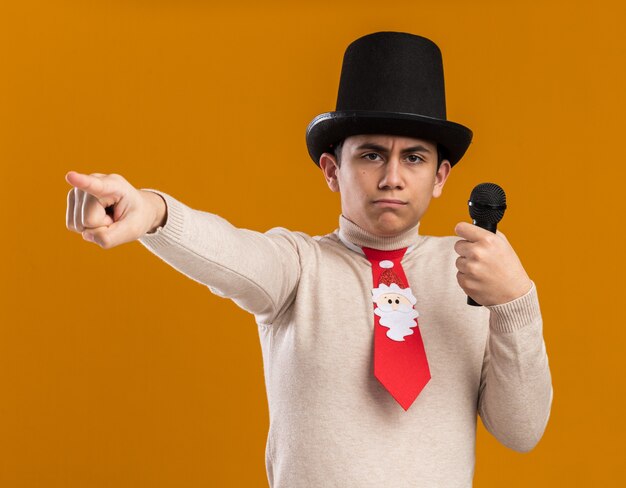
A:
487, 203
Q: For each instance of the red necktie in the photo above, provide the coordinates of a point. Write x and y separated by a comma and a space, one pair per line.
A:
400, 362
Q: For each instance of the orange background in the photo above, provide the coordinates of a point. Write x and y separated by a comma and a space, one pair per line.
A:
115, 370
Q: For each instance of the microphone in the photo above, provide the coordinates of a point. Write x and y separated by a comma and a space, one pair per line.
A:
487, 204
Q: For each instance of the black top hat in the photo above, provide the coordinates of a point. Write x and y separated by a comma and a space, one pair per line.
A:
391, 83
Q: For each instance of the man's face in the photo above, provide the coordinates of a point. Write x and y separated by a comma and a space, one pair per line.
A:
386, 182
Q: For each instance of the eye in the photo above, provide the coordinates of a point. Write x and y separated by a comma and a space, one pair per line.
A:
389, 301
418, 159
366, 156
397, 301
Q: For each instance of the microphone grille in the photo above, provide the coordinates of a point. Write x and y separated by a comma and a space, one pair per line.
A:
487, 203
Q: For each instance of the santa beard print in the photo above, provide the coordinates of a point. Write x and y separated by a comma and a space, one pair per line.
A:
399, 321
394, 306
394, 303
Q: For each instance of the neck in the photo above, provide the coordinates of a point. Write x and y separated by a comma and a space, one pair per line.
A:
351, 232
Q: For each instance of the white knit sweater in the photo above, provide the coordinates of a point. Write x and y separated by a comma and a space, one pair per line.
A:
332, 424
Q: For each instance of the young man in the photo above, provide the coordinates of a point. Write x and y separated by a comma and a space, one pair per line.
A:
375, 366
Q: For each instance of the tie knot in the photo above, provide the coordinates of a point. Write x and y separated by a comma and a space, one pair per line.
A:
380, 255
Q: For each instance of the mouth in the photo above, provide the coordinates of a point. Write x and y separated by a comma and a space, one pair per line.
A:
389, 202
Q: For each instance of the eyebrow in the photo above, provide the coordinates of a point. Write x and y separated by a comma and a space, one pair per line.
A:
379, 148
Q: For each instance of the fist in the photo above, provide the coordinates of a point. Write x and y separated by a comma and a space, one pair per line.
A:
107, 209
489, 271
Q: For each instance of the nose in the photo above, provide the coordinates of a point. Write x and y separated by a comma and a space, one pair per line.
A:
392, 175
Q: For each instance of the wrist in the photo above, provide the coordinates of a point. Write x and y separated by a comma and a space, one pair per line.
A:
522, 288
159, 209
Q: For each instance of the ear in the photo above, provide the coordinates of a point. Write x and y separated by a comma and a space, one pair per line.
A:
440, 177
328, 163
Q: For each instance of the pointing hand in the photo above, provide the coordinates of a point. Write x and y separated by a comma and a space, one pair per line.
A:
108, 210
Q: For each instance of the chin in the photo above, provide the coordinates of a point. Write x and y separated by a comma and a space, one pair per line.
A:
388, 231
392, 227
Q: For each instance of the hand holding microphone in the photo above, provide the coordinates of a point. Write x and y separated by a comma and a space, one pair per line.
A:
489, 270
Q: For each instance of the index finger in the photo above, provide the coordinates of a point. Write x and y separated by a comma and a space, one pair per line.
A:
90, 184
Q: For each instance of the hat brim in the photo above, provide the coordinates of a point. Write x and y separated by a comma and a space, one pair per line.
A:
329, 128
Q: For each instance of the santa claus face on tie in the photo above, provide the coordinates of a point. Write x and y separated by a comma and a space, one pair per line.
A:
394, 306
393, 301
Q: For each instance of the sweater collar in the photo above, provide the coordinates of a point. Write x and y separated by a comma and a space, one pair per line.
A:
355, 237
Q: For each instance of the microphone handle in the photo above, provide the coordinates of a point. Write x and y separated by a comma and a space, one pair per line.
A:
491, 228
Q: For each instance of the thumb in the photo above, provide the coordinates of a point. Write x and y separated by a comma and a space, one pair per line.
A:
109, 236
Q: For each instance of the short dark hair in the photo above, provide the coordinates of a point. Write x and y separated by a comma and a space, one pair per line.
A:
441, 153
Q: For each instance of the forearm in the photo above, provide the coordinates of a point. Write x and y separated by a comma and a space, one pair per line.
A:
516, 387
257, 271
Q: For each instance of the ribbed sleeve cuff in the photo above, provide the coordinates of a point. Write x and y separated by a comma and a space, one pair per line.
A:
174, 225
518, 313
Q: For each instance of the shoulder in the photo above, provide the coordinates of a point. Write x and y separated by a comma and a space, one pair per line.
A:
301, 240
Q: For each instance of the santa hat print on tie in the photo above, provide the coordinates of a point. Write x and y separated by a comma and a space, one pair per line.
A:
400, 362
